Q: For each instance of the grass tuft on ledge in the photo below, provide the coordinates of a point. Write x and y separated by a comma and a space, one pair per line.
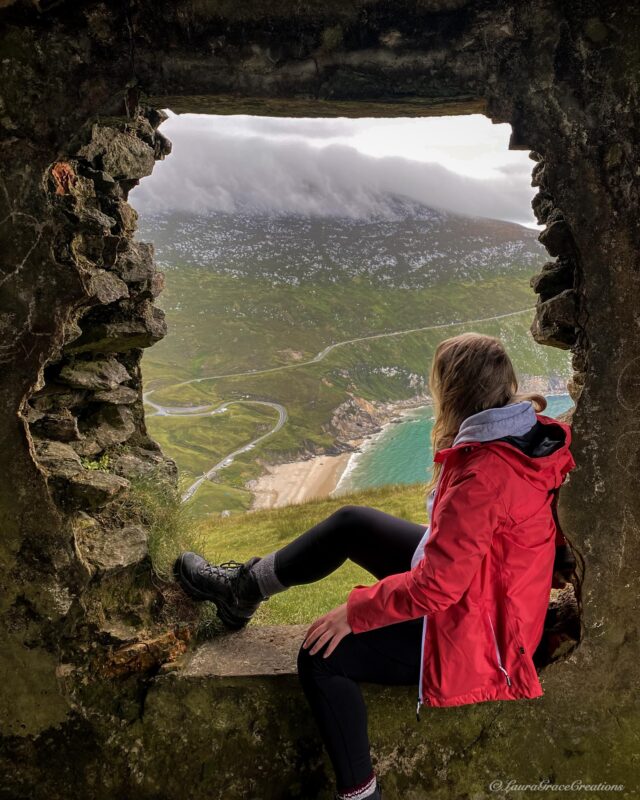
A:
169, 522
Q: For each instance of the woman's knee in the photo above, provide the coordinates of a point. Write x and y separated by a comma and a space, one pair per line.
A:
309, 666
349, 517
316, 665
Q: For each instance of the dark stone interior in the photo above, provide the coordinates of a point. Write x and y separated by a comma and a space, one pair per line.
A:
92, 639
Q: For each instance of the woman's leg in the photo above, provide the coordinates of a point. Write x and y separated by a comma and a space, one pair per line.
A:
383, 545
379, 542
389, 655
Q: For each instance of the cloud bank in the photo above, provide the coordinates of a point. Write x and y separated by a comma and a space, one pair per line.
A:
338, 167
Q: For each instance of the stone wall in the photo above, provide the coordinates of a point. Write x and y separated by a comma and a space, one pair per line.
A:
86, 623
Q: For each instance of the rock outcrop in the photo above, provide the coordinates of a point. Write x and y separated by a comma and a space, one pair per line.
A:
357, 418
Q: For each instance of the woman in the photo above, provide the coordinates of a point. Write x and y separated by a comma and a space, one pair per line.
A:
458, 609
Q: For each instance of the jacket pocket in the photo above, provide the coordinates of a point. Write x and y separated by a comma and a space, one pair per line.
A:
507, 677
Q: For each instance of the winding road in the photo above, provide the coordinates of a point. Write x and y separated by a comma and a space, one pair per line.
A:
199, 411
206, 411
324, 353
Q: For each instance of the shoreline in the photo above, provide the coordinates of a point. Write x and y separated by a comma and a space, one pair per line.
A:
298, 481
368, 442
319, 477
322, 476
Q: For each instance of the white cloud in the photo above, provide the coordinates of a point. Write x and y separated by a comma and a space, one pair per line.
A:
338, 167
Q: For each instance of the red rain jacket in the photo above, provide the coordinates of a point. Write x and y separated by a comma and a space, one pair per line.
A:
484, 581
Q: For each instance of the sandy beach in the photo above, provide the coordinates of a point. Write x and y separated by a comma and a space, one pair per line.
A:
317, 477
297, 481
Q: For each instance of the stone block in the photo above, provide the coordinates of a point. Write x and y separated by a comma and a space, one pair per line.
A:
92, 489
105, 287
59, 459
135, 264
254, 650
111, 424
557, 239
127, 217
122, 332
108, 549
554, 323
97, 375
56, 397
121, 395
556, 276
63, 426
121, 154
140, 462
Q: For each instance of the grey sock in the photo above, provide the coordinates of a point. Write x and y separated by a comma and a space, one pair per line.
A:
265, 574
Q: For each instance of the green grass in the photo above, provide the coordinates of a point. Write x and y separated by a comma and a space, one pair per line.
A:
219, 324
260, 532
156, 504
213, 498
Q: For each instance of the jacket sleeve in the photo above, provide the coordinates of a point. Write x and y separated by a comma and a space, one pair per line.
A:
465, 519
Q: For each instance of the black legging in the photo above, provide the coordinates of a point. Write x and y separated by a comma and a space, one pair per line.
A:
383, 545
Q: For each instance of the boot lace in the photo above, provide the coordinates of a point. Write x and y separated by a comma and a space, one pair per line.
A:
222, 570
228, 571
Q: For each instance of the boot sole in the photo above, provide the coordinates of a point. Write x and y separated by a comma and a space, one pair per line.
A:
222, 610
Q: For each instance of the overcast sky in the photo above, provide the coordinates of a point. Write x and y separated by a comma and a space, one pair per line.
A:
345, 167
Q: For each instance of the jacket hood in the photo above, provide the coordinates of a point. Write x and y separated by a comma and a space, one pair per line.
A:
514, 419
535, 445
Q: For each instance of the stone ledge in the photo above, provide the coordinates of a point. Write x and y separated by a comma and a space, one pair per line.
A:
254, 651
232, 713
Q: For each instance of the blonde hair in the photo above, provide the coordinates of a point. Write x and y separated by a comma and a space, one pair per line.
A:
470, 373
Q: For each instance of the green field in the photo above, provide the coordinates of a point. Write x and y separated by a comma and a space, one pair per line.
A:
220, 325
197, 442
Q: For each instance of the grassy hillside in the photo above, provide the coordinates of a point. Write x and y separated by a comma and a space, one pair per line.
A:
251, 302
382, 369
196, 443
220, 325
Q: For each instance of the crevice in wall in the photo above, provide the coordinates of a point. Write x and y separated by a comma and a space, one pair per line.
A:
559, 322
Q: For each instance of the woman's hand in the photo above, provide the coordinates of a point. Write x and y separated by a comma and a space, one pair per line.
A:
332, 627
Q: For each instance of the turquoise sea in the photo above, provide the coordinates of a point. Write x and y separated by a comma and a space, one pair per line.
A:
402, 452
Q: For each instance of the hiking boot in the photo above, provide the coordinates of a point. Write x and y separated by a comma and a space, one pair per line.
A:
230, 585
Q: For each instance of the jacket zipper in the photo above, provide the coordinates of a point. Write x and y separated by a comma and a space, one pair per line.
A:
461, 445
424, 619
424, 625
424, 632
495, 641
